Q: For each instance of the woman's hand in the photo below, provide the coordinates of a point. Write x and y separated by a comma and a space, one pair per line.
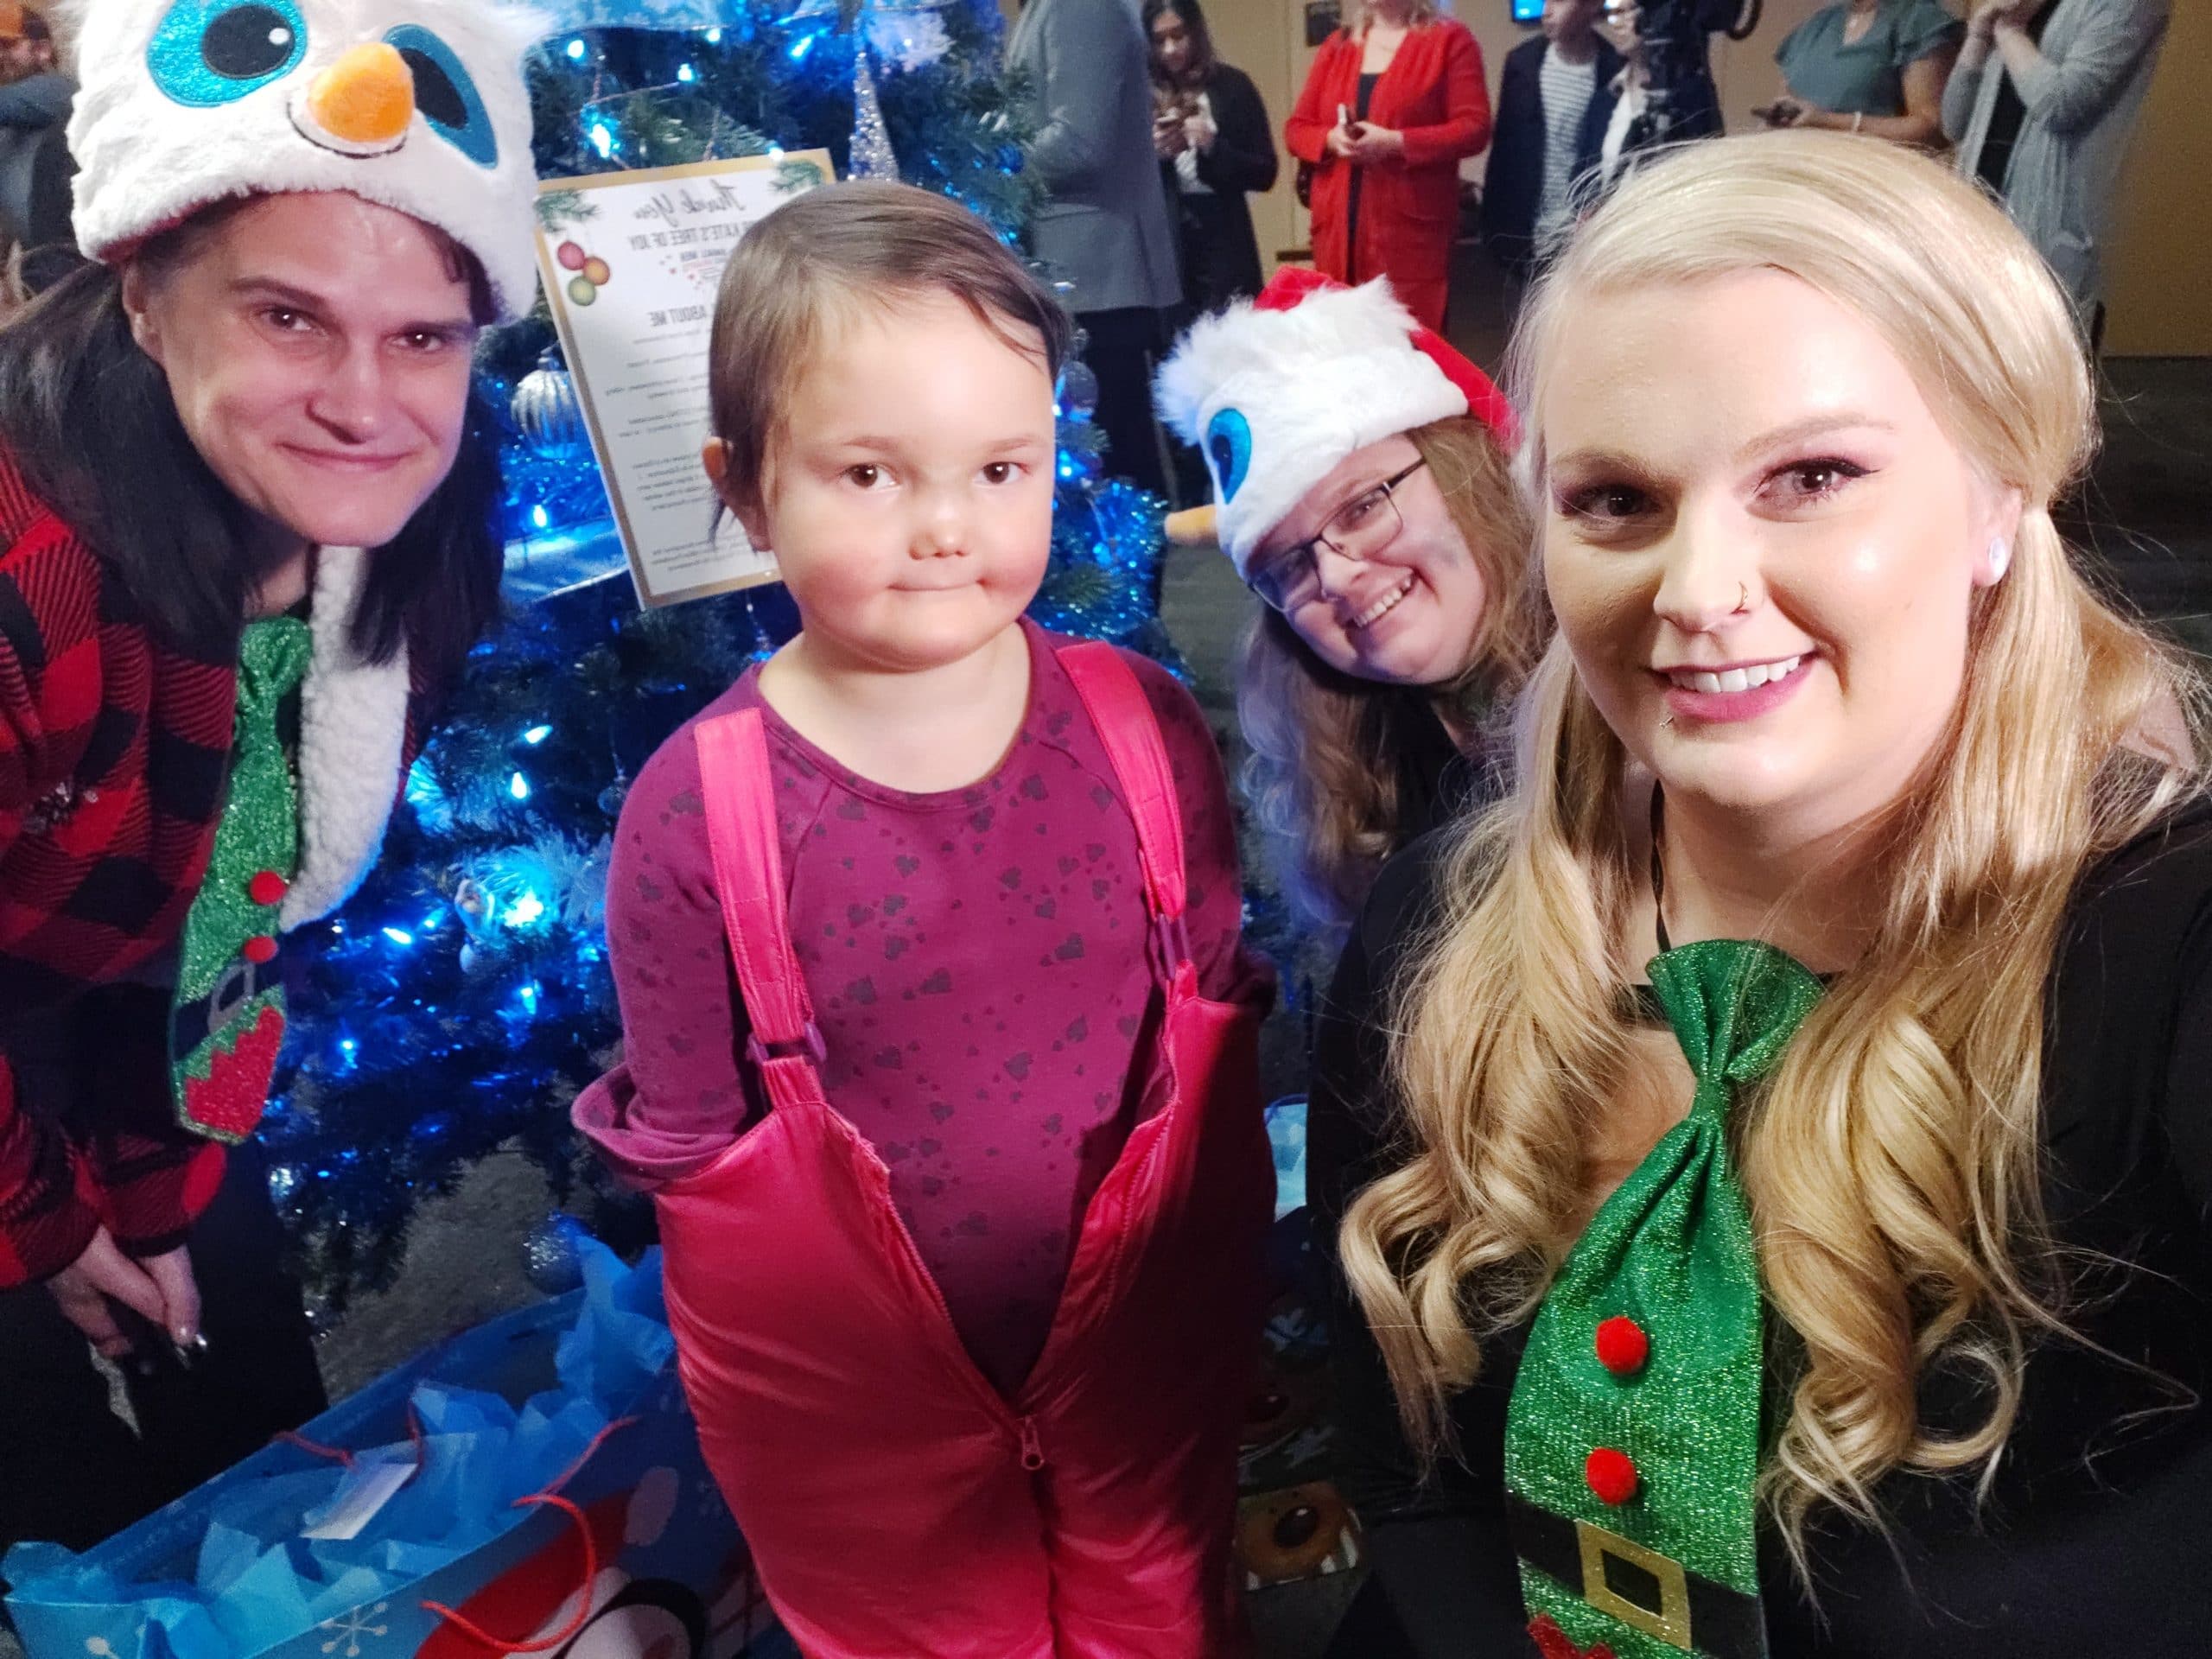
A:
1167, 138
1199, 133
160, 1288
1788, 111
1338, 144
1990, 16
1372, 145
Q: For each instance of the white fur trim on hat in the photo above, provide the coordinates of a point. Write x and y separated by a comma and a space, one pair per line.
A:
181, 103
1275, 398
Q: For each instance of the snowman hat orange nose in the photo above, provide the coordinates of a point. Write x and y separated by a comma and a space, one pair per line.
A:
366, 97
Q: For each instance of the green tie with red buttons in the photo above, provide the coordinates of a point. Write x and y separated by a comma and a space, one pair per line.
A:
226, 1024
1632, 1439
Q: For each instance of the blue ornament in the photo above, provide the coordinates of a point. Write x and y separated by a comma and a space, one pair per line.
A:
1078, 391
552, 1256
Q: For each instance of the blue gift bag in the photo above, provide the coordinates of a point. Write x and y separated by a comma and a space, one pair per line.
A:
534, 1484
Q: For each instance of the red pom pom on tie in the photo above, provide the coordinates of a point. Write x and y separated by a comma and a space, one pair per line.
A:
1611, 1475
267, 888
1622, 1346
259, 950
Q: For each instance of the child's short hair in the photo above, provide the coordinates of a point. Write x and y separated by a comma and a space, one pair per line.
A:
865, 242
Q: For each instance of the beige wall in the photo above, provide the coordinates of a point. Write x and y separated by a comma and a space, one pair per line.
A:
2161, 266
2159, 286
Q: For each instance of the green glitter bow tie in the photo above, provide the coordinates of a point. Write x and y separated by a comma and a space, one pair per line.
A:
1632, 1439
227, 1025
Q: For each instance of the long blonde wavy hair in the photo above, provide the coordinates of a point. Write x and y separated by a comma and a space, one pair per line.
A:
1892, 1161
1318, 771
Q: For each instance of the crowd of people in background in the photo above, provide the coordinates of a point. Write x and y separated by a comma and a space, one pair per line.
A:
35, 169
2036, 99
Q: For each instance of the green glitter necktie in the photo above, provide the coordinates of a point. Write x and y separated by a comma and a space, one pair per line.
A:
227, 1025
1632, 1439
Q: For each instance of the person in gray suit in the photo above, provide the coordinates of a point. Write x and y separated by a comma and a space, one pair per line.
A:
1104, 225
2042, 106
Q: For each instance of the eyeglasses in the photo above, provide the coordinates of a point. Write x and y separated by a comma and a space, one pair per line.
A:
1357, 531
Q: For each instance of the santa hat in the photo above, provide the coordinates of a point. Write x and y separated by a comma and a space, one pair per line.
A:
1277, 391
417, 105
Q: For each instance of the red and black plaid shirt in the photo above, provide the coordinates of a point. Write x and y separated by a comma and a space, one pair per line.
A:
114, 761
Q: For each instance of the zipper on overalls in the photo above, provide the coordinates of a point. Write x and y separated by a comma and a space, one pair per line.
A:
1033, 1449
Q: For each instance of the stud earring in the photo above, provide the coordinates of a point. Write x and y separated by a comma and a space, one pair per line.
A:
2001, 557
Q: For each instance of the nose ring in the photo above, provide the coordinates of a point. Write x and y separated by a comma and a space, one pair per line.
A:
1742, 599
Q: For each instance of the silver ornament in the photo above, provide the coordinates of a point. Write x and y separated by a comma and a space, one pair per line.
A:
873, 157
548, 412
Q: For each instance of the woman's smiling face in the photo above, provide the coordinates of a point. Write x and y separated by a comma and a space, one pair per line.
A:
1410, 612
1760, 544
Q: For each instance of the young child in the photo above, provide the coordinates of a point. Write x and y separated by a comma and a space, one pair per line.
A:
940, 1040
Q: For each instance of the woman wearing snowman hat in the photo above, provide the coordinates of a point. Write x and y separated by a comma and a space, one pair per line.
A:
1360, 470
246, 533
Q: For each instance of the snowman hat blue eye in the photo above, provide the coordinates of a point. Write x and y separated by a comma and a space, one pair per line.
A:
1229, 451
209, 53
445, 94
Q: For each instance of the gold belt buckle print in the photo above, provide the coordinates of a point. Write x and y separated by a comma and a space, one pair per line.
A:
1639, 1578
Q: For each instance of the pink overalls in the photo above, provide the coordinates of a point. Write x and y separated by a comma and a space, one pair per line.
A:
897, 1505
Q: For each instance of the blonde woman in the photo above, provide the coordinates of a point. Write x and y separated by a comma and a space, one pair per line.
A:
1360, 468
1774, 1137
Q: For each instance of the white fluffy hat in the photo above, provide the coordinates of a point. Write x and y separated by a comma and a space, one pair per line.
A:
1277, 391
418, 104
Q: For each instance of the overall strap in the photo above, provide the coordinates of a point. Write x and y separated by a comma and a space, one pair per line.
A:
1123, 716
740, 794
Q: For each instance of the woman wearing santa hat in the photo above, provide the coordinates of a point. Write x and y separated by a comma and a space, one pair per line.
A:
1360, 472
246, 531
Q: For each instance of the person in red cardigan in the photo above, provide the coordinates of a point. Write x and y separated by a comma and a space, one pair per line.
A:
1395, 101
247, 526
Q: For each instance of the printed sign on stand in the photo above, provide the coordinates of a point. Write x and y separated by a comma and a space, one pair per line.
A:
632, 262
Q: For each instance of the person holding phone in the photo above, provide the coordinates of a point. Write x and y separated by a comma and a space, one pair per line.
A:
1876, 66
1216, 145
1395, 101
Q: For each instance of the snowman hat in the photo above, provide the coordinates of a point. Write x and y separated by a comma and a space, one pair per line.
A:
417, 105
1277, 391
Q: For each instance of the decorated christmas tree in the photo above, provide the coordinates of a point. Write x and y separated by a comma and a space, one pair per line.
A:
462, 999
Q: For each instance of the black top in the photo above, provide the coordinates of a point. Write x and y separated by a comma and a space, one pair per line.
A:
1351, 197
1436, 779
2006, 115
2099, 1533
1221, 255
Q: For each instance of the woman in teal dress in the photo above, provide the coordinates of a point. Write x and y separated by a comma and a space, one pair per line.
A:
1876, 66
